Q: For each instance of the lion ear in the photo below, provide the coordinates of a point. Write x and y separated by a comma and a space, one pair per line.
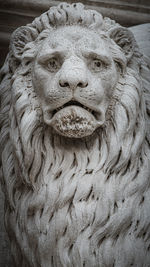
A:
19, 39
125, 39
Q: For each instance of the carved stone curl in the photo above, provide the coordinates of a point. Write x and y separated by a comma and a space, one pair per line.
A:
74, 142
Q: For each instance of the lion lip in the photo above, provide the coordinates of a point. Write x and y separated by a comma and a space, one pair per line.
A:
73, 103
50, 117
74, 121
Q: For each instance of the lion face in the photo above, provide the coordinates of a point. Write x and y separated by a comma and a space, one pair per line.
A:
74, 75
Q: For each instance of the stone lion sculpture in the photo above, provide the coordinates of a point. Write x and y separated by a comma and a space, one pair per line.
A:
75, 142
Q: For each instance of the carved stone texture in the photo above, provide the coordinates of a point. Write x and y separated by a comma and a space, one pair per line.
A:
75, 142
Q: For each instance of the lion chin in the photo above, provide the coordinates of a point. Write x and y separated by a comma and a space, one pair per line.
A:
74, 143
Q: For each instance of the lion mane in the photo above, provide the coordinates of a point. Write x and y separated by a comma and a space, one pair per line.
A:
82, 202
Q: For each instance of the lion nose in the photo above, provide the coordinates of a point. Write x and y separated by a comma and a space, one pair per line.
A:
73, 78
72, 85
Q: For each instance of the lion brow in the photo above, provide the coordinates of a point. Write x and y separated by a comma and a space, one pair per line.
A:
98, 55
51, 53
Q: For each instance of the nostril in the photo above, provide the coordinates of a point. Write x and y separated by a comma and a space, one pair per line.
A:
73, 84
64, 84
82, 85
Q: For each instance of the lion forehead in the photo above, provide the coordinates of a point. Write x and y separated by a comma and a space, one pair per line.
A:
73, 37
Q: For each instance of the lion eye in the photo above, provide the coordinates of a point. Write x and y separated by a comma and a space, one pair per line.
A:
53, 64
96, 65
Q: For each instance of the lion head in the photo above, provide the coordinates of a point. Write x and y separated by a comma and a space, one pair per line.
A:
74, 75
74, 143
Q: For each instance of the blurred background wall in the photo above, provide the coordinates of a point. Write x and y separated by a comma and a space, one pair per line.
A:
15, 13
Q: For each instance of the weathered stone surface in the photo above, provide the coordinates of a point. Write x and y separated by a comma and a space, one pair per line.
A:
75, 142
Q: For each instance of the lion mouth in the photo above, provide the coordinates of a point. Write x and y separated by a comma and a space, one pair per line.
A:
74, 119
73, 103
